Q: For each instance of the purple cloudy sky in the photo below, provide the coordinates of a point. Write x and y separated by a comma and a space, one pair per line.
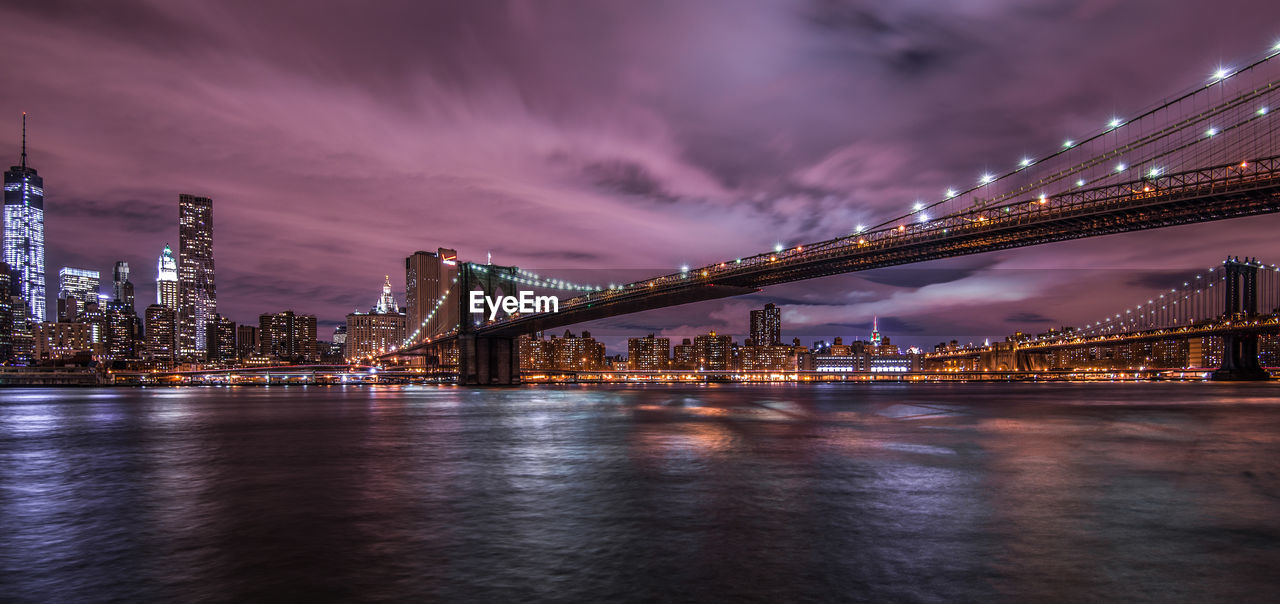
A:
335, 138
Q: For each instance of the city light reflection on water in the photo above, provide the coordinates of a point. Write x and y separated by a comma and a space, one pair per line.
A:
782, 492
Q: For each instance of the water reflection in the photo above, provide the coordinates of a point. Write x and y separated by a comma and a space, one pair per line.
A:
929, 492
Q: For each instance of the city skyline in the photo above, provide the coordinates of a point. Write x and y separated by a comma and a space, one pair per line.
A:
691, 195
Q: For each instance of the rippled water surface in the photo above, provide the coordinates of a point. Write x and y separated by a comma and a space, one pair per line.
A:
965, 492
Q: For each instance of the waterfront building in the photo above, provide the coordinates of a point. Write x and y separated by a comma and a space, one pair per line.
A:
682, 356
713, 352
6, 316
775, 357
572, 353
161, 333
427, 277
379, 330
247, 343
198, 301
24, 232
535, 352
77, 287
288, 337
120, 331
61, 341
648, 353
220, 349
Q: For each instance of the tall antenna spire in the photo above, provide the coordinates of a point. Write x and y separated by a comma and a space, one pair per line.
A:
24, 139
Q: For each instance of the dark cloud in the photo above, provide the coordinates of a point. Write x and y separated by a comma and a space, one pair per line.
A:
1027, 317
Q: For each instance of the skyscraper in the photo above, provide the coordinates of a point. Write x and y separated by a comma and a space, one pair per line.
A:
427, 277
198, 301
766, 326
24, 230
77, 287
122, 288
167, 279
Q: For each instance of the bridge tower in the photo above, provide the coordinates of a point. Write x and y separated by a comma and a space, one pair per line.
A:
485, 360
1240, 351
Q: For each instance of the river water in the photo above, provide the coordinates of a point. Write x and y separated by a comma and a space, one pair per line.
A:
772, 493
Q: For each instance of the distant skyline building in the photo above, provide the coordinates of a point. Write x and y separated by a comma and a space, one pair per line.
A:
380, 329
766, 326
167, 279
24, 230
288, 337
122, 287
198, 302
161, 330
649, 353
77, 287
427, 277
387, 302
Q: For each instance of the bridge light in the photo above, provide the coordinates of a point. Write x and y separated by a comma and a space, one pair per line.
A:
919, 206
1067, 144
951, 193
1026, 161
858, 229
924, 218
777, 247
1120, 167
1211, 131
1043, 199
986, 178
683, 269
1154, 172
1262, 111
1115, 123
1221, 73
1080, 182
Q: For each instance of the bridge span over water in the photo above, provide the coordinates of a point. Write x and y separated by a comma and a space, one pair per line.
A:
1211, 153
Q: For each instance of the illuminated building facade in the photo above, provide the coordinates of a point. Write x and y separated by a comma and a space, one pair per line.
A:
288, 337
648, 353
220, 349
713, 352
775, 357
198, 301
24, 231
77, 287
766, 326
54, 341
162, 333
121, 331
379, 330
427, 277
6, 316
572, 353
167, 279
372, 333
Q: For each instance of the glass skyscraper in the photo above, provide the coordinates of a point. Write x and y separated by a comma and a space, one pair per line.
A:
24, 230
198, 301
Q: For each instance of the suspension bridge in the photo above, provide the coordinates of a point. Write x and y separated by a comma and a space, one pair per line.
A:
1207, 153
1234, 304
